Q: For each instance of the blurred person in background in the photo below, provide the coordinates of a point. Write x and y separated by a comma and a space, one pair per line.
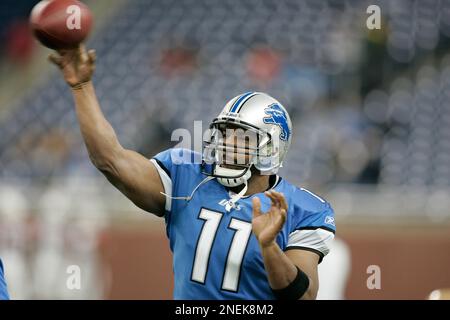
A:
63, 222
334, 272
14, 239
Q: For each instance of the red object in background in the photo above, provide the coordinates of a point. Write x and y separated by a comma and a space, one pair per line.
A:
19, 43
61, 24
263, 65
178, 61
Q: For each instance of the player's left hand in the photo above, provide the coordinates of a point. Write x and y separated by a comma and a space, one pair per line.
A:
267, 225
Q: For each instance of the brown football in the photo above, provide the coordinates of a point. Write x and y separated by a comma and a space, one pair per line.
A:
61, 24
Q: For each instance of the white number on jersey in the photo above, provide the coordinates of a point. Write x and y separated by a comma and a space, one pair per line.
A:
243, 230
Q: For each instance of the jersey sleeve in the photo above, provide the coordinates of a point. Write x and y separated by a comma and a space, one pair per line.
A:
170, 164
313, 229
166, 170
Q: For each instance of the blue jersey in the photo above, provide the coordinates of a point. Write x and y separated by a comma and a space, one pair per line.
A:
3, 291
215, 253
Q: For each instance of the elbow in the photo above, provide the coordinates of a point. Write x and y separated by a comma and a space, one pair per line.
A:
309, 295
104, 151
100, 163
311, 291
301, 288
104, 162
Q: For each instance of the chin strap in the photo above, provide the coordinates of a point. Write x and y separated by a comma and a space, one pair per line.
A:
231, 204
243, 176
188, 198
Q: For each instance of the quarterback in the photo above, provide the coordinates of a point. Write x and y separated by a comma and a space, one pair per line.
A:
237, 230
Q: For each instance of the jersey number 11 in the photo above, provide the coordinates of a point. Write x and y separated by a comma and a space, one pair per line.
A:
236, 251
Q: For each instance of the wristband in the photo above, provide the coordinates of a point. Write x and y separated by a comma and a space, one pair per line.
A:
296, 289
79, 86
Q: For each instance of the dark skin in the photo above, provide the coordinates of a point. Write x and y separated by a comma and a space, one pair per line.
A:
138, 179
256, 183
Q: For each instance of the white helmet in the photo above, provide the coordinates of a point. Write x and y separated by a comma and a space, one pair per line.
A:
260, 117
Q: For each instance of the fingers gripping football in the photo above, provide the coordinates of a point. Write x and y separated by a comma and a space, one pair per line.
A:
77, 65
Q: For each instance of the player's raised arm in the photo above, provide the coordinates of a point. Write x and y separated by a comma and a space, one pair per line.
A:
134, 175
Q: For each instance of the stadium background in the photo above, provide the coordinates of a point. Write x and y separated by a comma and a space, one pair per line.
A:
371, 134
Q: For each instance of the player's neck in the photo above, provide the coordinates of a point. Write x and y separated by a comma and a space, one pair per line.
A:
257, 184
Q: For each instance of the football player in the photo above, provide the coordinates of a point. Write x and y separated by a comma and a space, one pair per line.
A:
237, 230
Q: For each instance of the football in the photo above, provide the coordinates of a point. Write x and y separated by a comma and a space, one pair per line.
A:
61, 24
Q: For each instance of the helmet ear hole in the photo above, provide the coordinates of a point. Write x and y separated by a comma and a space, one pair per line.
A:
268, 165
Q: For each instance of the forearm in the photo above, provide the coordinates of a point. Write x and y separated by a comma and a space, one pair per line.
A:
99, 137
281, 271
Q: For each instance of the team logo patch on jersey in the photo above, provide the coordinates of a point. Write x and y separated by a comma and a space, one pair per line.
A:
276, 115
225, 202
329, 220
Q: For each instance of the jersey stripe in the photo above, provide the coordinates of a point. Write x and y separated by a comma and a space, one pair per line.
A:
314, 195
166, 181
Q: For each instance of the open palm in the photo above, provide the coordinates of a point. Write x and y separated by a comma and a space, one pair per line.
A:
267, 225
